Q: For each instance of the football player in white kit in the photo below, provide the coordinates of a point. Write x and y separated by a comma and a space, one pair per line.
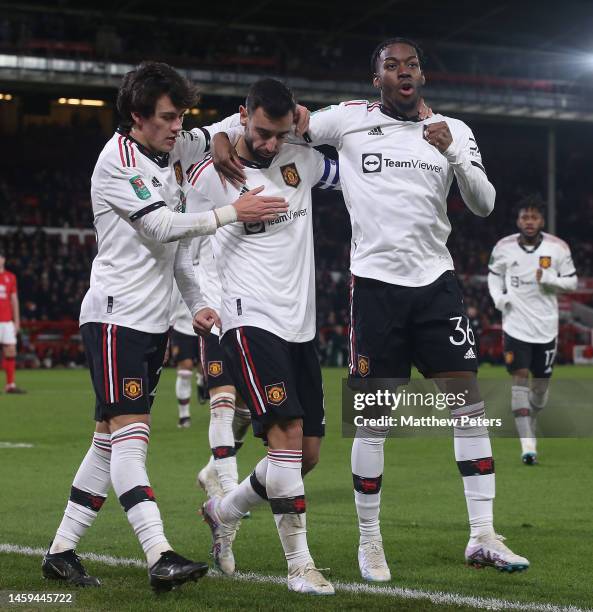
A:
268, 327
396, 168
526, 272
143, 239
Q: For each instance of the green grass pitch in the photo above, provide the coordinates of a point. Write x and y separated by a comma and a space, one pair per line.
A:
544, 511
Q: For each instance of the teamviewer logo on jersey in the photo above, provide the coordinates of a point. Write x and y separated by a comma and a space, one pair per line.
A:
372, 162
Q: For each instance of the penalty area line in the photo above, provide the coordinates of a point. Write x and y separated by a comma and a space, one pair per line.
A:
435, 597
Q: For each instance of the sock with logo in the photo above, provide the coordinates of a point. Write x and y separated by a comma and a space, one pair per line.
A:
286, 492
130, 482
473, 454
87, 495
367, 475
222, 440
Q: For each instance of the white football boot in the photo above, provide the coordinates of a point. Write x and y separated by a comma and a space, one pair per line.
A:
371, 560
489, 550
222, 537
308, 579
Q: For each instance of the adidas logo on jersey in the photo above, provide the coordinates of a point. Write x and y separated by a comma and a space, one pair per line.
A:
470, 354
376, 132
156, 182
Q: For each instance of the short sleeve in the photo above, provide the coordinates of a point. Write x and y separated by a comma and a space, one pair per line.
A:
13, 285
326, 126
496, 265
566, 266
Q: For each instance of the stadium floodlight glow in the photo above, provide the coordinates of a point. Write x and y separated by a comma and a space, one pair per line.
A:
6, 97
195, 111
81, 102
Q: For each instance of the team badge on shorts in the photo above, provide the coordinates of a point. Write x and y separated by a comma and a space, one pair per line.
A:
276, 393
364, 365
545, 261
509, 357
178, 172
141, 189
132, 388
214, 368
290, 175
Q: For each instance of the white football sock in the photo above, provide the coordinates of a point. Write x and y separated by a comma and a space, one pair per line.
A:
473, 454
183, 392
523, 418
286, 492
222, 440
367, 472
88, 493
249, 493
131, 485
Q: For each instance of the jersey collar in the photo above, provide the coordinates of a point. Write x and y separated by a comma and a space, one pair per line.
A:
393, 115
254, 164
526, 247
160, 159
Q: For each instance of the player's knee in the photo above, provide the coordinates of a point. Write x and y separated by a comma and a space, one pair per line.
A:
9, 350
310, 460
287, 434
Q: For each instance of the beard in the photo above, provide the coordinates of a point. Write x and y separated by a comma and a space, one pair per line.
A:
256, 156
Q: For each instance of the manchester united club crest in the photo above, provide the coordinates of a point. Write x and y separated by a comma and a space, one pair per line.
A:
276, 393
509, 357
214, 368
290, 174
132, 388
178, 172
364, 365
545, 261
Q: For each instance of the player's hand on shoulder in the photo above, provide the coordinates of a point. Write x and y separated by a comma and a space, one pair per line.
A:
253, 207
204, 319
301, 119
438, 135
538, 275
226, 161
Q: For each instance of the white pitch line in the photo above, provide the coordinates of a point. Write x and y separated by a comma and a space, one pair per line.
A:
435, 597
15, 445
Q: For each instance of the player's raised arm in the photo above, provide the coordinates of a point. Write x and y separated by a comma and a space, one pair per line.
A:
461, 151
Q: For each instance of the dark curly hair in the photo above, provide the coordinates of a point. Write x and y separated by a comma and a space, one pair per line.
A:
143, 86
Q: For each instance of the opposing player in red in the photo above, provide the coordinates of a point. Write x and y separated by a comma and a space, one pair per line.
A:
10, 323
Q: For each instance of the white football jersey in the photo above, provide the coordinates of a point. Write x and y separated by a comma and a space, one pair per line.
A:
132, 276
532, 315
267, 269
207, 276
395, 186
